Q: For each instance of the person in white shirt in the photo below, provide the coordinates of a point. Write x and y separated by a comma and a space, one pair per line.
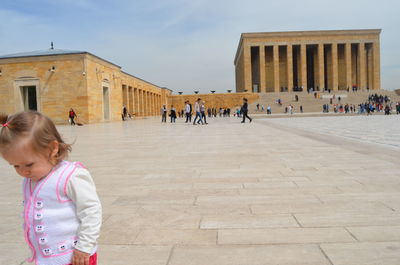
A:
188, 112
62, 212
198, 112
203, 111
164, 114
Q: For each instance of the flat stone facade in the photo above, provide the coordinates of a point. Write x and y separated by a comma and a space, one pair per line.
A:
295, 61
95, 88
223, 100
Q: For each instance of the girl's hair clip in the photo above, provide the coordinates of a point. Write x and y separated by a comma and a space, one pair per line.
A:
5, 124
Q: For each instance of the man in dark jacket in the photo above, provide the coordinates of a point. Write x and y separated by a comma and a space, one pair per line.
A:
245, 110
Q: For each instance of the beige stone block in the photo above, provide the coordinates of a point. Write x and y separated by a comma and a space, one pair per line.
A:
321, 208
319, 190
346, 219
195, 210
155, 199
216, 186
283, 236
249, 255
376, 233
376, 253
270, 184
13, 253
252, 221
138, 255
282, 179
176, 237
240, 200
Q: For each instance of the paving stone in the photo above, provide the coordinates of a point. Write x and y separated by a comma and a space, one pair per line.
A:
13, 253
176, 237
249, 255
128, 254
282, 236
347, 219
371, 253
376, 233
321, 208
254, 221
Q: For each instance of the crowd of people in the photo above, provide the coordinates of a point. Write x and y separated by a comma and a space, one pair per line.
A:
201, 112
374, 103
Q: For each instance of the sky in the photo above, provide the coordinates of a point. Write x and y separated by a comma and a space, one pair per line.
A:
187, 45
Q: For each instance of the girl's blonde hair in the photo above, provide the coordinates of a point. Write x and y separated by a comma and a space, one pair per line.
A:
38, 128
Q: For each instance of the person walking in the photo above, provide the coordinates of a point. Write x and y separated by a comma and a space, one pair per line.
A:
173, 114
188, 112
245, 111
164, 114
198, 112
124, 112
72, 116
203, 112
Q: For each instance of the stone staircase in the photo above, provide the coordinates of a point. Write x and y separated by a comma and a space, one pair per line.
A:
312, 104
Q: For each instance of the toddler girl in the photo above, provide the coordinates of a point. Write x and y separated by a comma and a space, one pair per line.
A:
62, 212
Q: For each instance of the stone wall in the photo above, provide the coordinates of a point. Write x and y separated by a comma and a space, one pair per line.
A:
57, 89
223, 100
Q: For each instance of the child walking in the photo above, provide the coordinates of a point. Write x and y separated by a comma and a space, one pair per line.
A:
62, 212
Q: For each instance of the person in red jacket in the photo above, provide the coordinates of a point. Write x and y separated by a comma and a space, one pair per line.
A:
72, 116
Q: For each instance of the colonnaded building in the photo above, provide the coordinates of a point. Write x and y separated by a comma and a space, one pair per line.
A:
53, 81
295, 61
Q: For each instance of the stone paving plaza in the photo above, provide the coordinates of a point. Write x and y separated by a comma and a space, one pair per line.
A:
298, 191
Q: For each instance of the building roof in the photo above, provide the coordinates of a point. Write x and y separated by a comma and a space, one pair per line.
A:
51, 52
47, 52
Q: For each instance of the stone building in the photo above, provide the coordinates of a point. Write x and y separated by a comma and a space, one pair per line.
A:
290, 61
53, 81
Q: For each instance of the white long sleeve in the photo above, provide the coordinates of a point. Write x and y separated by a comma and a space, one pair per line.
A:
82, 191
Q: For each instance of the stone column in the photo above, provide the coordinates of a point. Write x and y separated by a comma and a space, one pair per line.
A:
289, 65
276, 68
376, 65
140, 103
130, 93
335, 66
136, 96
147, 103
303, 66
248, 84
347, 54
144, 103
158, 105
125, 98
154, 104
151, 103
362, 65
263, 83
321, 66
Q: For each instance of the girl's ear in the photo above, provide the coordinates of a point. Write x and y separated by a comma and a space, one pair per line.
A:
54, 147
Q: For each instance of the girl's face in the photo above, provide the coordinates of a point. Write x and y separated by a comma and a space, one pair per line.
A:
30, 164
